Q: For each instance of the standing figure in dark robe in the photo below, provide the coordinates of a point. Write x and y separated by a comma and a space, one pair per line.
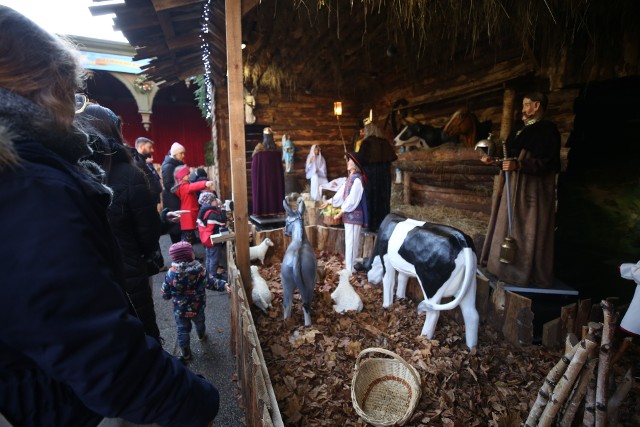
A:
376, 154
536, 150
267, 177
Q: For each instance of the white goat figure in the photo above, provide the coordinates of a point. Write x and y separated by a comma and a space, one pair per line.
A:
258, 252
260, 292
345, 297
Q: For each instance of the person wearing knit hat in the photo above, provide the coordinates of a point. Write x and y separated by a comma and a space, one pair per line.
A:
350, 197
200, 174
206, 198
181, 252
173, 159
185, 285
177, 149
188, 195
211, 219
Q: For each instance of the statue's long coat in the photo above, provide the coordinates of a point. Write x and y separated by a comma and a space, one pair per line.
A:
533, 199
377, 155
267, 182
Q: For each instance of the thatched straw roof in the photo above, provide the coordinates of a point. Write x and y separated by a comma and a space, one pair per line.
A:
318, 45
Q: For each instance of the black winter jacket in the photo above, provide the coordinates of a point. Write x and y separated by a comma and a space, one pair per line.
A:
153, 179
136, 225
70, 353
169, 199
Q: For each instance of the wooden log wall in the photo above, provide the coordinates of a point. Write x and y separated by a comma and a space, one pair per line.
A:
307, 119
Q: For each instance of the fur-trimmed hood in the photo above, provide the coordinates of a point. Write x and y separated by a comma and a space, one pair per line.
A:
26, 129
23, 121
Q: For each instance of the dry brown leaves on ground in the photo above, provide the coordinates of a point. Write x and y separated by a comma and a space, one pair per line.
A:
311, 368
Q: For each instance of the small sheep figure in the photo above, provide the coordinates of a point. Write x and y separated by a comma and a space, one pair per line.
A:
260, 292
258, 252
345, 296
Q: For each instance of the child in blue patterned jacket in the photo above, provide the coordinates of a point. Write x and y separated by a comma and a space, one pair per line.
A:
185, 284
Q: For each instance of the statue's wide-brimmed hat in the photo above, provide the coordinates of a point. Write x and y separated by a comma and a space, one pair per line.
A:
357, 159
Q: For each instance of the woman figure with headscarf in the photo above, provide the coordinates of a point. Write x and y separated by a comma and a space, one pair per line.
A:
316, 170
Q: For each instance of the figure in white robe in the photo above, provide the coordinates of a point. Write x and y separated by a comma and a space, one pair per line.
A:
316, 171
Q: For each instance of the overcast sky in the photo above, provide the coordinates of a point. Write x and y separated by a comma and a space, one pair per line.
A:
70, 17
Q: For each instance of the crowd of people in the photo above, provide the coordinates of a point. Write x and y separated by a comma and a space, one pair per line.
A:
80, 344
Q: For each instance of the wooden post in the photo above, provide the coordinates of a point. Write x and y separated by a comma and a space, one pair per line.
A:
222, 156
507, 113
236, 139
518, 319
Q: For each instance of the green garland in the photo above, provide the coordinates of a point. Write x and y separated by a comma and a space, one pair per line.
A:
142, 85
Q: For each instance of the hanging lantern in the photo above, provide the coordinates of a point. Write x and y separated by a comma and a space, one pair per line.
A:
337, 108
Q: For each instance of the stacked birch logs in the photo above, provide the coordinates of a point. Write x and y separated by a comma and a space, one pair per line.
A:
582, 380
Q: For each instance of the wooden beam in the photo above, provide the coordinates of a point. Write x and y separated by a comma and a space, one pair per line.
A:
106, 9
462, 86
161, 5
167, 27
236, 139
184, 40
126, 25
248, 5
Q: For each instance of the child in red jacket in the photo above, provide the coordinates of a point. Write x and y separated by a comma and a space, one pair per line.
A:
211, 218
187, 192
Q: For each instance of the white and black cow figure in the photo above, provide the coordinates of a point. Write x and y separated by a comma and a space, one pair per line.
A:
442, 258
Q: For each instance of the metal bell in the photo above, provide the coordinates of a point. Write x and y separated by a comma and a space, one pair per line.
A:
508, 250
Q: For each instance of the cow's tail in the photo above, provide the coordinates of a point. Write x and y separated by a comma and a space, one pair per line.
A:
469, 276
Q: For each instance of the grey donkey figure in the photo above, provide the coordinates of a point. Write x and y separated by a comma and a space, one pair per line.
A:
299, 263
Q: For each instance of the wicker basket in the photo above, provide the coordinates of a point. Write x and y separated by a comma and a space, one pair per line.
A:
384, 391
329, 221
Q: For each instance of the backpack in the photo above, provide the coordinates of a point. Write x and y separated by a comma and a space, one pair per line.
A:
209, 221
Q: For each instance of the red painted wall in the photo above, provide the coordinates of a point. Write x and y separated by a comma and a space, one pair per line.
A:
169, 124
175, 118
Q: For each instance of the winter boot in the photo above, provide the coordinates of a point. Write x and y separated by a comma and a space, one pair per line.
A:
185, 354
202, 337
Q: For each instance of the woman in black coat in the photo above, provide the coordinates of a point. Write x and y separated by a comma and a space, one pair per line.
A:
169, 200
132, 213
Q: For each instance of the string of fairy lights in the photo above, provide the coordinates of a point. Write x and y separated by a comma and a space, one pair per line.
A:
206, 54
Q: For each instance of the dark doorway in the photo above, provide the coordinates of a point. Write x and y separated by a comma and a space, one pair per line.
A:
598, 223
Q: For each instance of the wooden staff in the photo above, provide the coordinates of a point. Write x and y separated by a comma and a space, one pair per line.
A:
505, 128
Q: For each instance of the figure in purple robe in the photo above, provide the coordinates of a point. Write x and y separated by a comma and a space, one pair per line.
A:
267, 177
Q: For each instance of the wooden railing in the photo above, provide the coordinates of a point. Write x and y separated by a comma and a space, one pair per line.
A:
260, 404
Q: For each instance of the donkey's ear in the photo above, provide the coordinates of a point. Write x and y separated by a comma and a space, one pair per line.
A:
301, 205
287, 209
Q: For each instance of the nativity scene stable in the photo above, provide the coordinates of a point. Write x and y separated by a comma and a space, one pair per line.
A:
445, 83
